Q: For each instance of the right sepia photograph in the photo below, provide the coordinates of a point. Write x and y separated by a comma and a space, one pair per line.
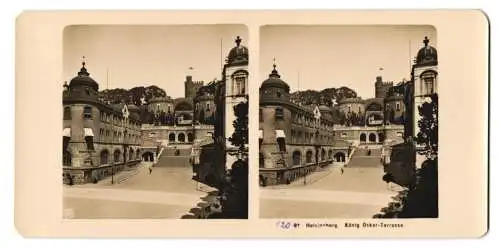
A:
348, 122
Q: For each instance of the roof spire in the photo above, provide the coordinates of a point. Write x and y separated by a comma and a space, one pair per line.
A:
274, 72
83, 70
238, 41
426, 41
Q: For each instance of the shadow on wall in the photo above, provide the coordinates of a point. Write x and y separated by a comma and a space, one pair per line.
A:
401, 169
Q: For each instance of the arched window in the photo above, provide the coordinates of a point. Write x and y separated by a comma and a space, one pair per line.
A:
66, 158
323, 155
309, 156
171, 137
87, 112
372, 137
190, 137
181, 137
116, 155
130, 154
67, 113
104, 157
239, 83
296, 157
362, 137
138, 154
428, 80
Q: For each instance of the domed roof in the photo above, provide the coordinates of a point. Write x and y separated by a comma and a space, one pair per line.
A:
183, 104
427, 55
274, 80
238, 55
83, 78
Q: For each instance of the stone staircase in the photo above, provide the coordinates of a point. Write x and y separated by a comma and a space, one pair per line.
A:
361, 159
168, 159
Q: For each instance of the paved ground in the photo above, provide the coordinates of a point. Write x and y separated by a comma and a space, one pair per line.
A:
168, 192
357, 193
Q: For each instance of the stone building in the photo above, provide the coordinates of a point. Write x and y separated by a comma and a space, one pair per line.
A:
424, 84
294, 140
175, 121
98, 139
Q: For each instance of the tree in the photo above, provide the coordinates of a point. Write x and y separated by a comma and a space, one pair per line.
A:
421, 200
240, 136
428, 126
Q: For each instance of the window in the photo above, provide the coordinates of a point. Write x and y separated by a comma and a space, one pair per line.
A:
66, 158
349, 108
208, 106
260, 115
278, 94
90, 142
398, 107
67, 113
428, 86
107, 132
87, 112
239, 81
279, 113
101, 132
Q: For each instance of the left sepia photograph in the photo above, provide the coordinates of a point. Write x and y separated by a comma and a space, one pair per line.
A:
155, 122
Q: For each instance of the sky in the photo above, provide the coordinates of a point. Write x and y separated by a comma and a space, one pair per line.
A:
128, 56
318, 57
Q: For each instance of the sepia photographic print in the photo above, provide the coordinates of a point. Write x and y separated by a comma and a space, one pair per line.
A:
252, 124
348, 122
155, 122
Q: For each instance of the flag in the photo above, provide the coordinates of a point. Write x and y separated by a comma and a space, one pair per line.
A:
380, 69
190, 68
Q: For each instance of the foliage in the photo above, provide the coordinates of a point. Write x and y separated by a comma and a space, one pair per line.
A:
323, 97
132, 96
240, 136
235, 191
421, 201
428, 126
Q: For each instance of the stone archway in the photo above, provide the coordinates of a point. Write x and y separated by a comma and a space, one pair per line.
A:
381, 137
171, 137
181, 137
148, 156
190, 137
372, 138
362, 137
339, 157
